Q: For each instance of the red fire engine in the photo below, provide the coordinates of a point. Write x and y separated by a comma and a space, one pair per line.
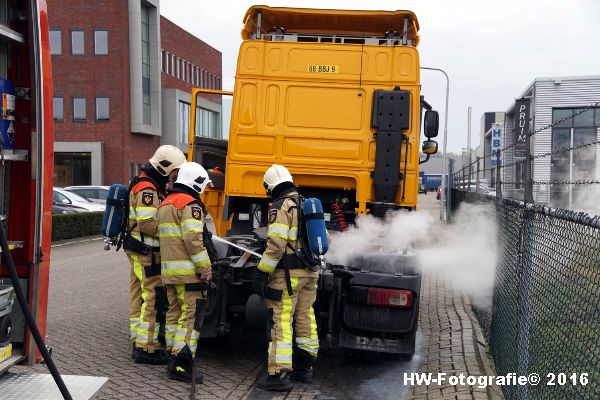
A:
26, 165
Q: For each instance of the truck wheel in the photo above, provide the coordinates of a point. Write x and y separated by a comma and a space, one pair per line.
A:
5, 329
256, 312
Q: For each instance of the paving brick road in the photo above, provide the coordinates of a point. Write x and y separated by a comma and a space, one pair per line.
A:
88, 331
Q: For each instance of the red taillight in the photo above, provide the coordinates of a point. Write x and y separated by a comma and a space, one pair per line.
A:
390, 298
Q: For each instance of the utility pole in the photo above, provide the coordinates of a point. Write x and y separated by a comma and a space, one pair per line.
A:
469, 142
443, 215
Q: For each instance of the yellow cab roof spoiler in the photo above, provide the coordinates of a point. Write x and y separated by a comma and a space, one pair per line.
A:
261, 19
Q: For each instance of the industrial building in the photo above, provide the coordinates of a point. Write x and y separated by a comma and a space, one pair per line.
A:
542, 104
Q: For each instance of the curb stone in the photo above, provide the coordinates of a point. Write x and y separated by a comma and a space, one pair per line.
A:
485, 360
84, 239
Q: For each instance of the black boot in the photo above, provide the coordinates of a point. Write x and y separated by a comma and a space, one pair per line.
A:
180, 367
132, 351
279, 382
159, 357
302, 363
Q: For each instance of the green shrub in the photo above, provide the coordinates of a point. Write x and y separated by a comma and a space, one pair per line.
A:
69, 226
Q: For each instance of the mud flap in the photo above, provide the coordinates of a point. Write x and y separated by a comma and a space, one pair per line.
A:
403, 345
200, 313
161, 304
270, 324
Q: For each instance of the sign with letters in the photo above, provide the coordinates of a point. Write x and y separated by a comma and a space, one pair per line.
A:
497, 136
521, 126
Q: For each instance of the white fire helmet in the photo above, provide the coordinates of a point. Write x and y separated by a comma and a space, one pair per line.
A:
275, 175
194, 176
166, 159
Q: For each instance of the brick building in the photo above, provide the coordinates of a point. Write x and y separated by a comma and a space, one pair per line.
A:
119, 93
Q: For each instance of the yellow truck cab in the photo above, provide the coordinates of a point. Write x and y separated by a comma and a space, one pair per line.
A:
334, 95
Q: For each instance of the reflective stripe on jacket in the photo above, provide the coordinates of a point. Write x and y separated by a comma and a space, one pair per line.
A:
182, 251
283, 230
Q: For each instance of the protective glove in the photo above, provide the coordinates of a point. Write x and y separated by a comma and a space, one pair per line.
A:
260, 281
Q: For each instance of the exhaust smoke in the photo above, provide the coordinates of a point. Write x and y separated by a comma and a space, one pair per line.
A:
462, 253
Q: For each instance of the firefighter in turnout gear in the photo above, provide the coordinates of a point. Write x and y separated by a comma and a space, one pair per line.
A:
186, 267
289, 287
142, 248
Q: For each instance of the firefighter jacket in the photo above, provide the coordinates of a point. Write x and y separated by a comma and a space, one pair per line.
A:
182, 251
143, 212
282, 238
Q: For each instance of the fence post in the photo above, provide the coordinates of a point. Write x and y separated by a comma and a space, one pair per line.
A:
528, 195
498, 168
525, 296
470, 175
477, 178
450, 184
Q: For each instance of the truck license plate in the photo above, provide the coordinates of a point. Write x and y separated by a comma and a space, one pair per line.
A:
323, 69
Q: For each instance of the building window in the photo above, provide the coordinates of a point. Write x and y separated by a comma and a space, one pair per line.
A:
102, 109
184, 121
207, 123
55, 42
163, 64
79, 109
72, 169
77, 42
218, 83
100, 42
147, 104
572, 165
57, 108
173, 65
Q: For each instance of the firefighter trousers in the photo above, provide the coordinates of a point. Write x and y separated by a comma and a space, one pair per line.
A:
187, 305
291, 316
146, 294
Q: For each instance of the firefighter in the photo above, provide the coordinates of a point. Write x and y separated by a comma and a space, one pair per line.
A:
186, 267
289, 295
141, 246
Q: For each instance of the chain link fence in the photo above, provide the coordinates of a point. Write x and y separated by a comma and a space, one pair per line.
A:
545, 315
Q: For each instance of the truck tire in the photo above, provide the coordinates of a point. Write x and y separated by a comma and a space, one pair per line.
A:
5, 329
256, 312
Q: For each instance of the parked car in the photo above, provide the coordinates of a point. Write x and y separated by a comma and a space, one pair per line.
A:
62, 196
96, 194
66, 209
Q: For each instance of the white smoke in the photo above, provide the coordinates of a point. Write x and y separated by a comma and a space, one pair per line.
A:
398, 231
463, 253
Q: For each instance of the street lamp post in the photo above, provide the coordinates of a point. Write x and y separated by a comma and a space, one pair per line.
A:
444, 215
